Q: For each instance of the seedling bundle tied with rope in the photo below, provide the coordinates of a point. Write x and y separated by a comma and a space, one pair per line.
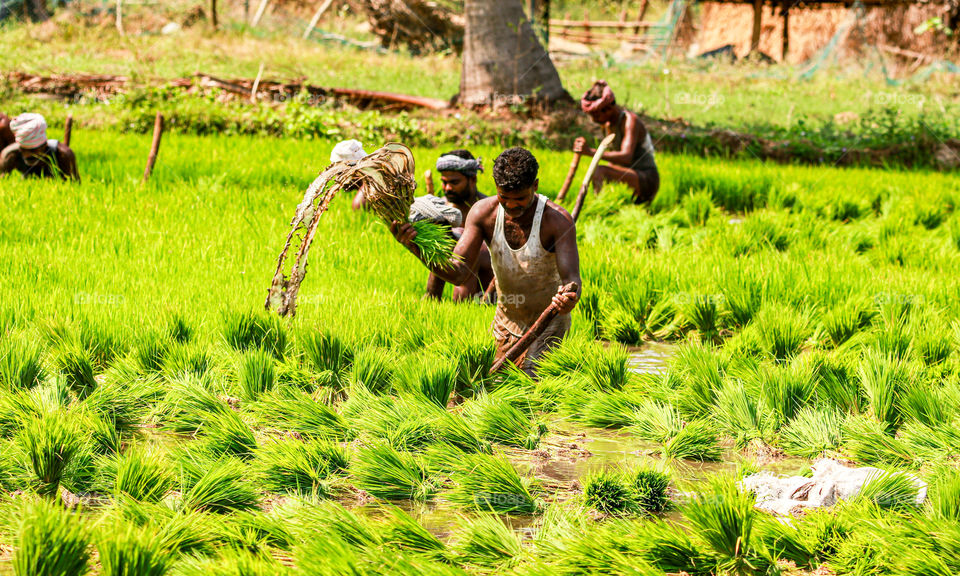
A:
386, 179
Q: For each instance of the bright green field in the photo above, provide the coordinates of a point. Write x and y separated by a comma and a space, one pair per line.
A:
809, 311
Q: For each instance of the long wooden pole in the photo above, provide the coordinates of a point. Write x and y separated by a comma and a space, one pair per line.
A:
213, 15
757, 21
534, 332
120, 17
67, 130
571, 174
786, 34
154, 147
259, 14
597, 157
316, 18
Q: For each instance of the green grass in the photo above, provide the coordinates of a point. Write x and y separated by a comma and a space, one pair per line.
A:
257, 374
51, 541
51, 442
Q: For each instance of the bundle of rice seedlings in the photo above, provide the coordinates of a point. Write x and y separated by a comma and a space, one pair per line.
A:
219, 486
329, 519
839, 385
402, 531
782, 329
51, 541
742, 297
294, 467
231, 562
257, 374
698, 206
656, 422
933, 346
126, 550
610, 548
258, 531
608, 492
386, 473
723, 517
150, 350
188, 404
140, 474
608, 368
179, 329
944, 501
248, 330
700, 371
492, 484
812, 432
784, 541
13, 472
739, 413
704, 313
484, 540
473, 360
619, 325
328, 353
50, 442
785, 389
884, 379
74, 362
843, 321
696, 441
891, 491
615, 410
404, 423
226, 434
497, 420
187, 360
123, 402
668, 547
20, 363
373, 369
290, 410
454, 429
437, 383
869, 442
650, 490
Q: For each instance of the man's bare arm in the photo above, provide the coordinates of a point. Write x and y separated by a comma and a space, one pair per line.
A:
631, 137
568, 263
435, 287
458, 270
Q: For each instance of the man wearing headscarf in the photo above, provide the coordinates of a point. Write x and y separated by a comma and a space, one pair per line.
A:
630, 157
458, 178
33, 155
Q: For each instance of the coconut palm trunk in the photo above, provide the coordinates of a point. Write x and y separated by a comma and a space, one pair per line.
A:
503, 62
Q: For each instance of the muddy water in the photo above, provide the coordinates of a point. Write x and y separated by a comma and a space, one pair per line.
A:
651, 358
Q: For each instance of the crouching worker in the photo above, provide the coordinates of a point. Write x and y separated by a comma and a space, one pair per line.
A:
33, 155
630, 155
533, 250
458, 176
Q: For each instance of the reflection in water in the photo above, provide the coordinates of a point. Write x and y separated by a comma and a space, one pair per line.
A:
651, 358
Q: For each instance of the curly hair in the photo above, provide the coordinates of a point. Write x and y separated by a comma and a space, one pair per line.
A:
515, 169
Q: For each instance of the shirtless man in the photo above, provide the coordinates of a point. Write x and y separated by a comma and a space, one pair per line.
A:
33, 155
533, 250
458, 178
630, 156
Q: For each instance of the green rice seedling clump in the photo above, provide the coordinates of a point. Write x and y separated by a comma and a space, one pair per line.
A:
226, 434
609, 492
219, 486
77, 368
435, 243
51, 541
20, 363
812, 432
891, 490
485, 540
650, 487
393, 475
50, 441
783, 330
141, 474
290, 466
696, 441
491, 483
497, 420
256, 375
293, 411
128, 551
248, 330
373, 369
402, 531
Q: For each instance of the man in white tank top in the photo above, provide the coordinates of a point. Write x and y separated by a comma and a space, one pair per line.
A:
533, 250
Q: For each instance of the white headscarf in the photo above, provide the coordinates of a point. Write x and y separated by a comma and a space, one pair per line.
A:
347, 151
30, 130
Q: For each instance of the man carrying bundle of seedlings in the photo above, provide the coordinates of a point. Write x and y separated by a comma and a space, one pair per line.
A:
33, 155
533, 251
458, 177
630, 156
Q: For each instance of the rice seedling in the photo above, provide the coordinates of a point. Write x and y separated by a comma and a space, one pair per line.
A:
608, 368
149, 351
126, 550
843, 321
248, 330
669, 548
140, 474
403, 532
452, 428
838, 385
226, 434
257, 532
609, 492
812, 432
723, 518
614, 410
700, 371
619, 325
188, 404
386, 473
373, 369
183, 360
738, 412
257, 374
491, 483
929, 405
179, 329
435, 242
75, 364
786, 389
742, 297
933, 347
20, 363
473, 360
404, 423
484, 540
497, 420
294, 467
51, 541
650, 489
891, 491
656, 422
326, 352
50, 442
437, 383
218, 486
231, 562
869, 442
786, 542
698, 206
328, 519
884, 380
782, 330
610, 549
291, 410
944, 501
704, 312
696, 441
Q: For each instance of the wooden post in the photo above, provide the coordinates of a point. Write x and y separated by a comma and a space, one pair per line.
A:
586, 27
213, 14
67, 130
260, 12
120, 17
786, 33
256, 84
644, 4
246, 10
154, 147
546, 24
757, 17
316, 18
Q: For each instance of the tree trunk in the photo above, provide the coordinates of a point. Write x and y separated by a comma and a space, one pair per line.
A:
503, 63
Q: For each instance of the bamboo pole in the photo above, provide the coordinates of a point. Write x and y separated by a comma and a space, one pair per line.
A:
120, 17
597, 157
154, 147
571, 174
260, 12
316, 18
256, 84
67, 130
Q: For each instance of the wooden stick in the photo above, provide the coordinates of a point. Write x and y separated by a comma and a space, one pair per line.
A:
589, 175
428, 180
213, 15
67, 130
570, 175
316, 18
155, 147
120, 17
256, 84
259, 14
532, 333
491, 291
